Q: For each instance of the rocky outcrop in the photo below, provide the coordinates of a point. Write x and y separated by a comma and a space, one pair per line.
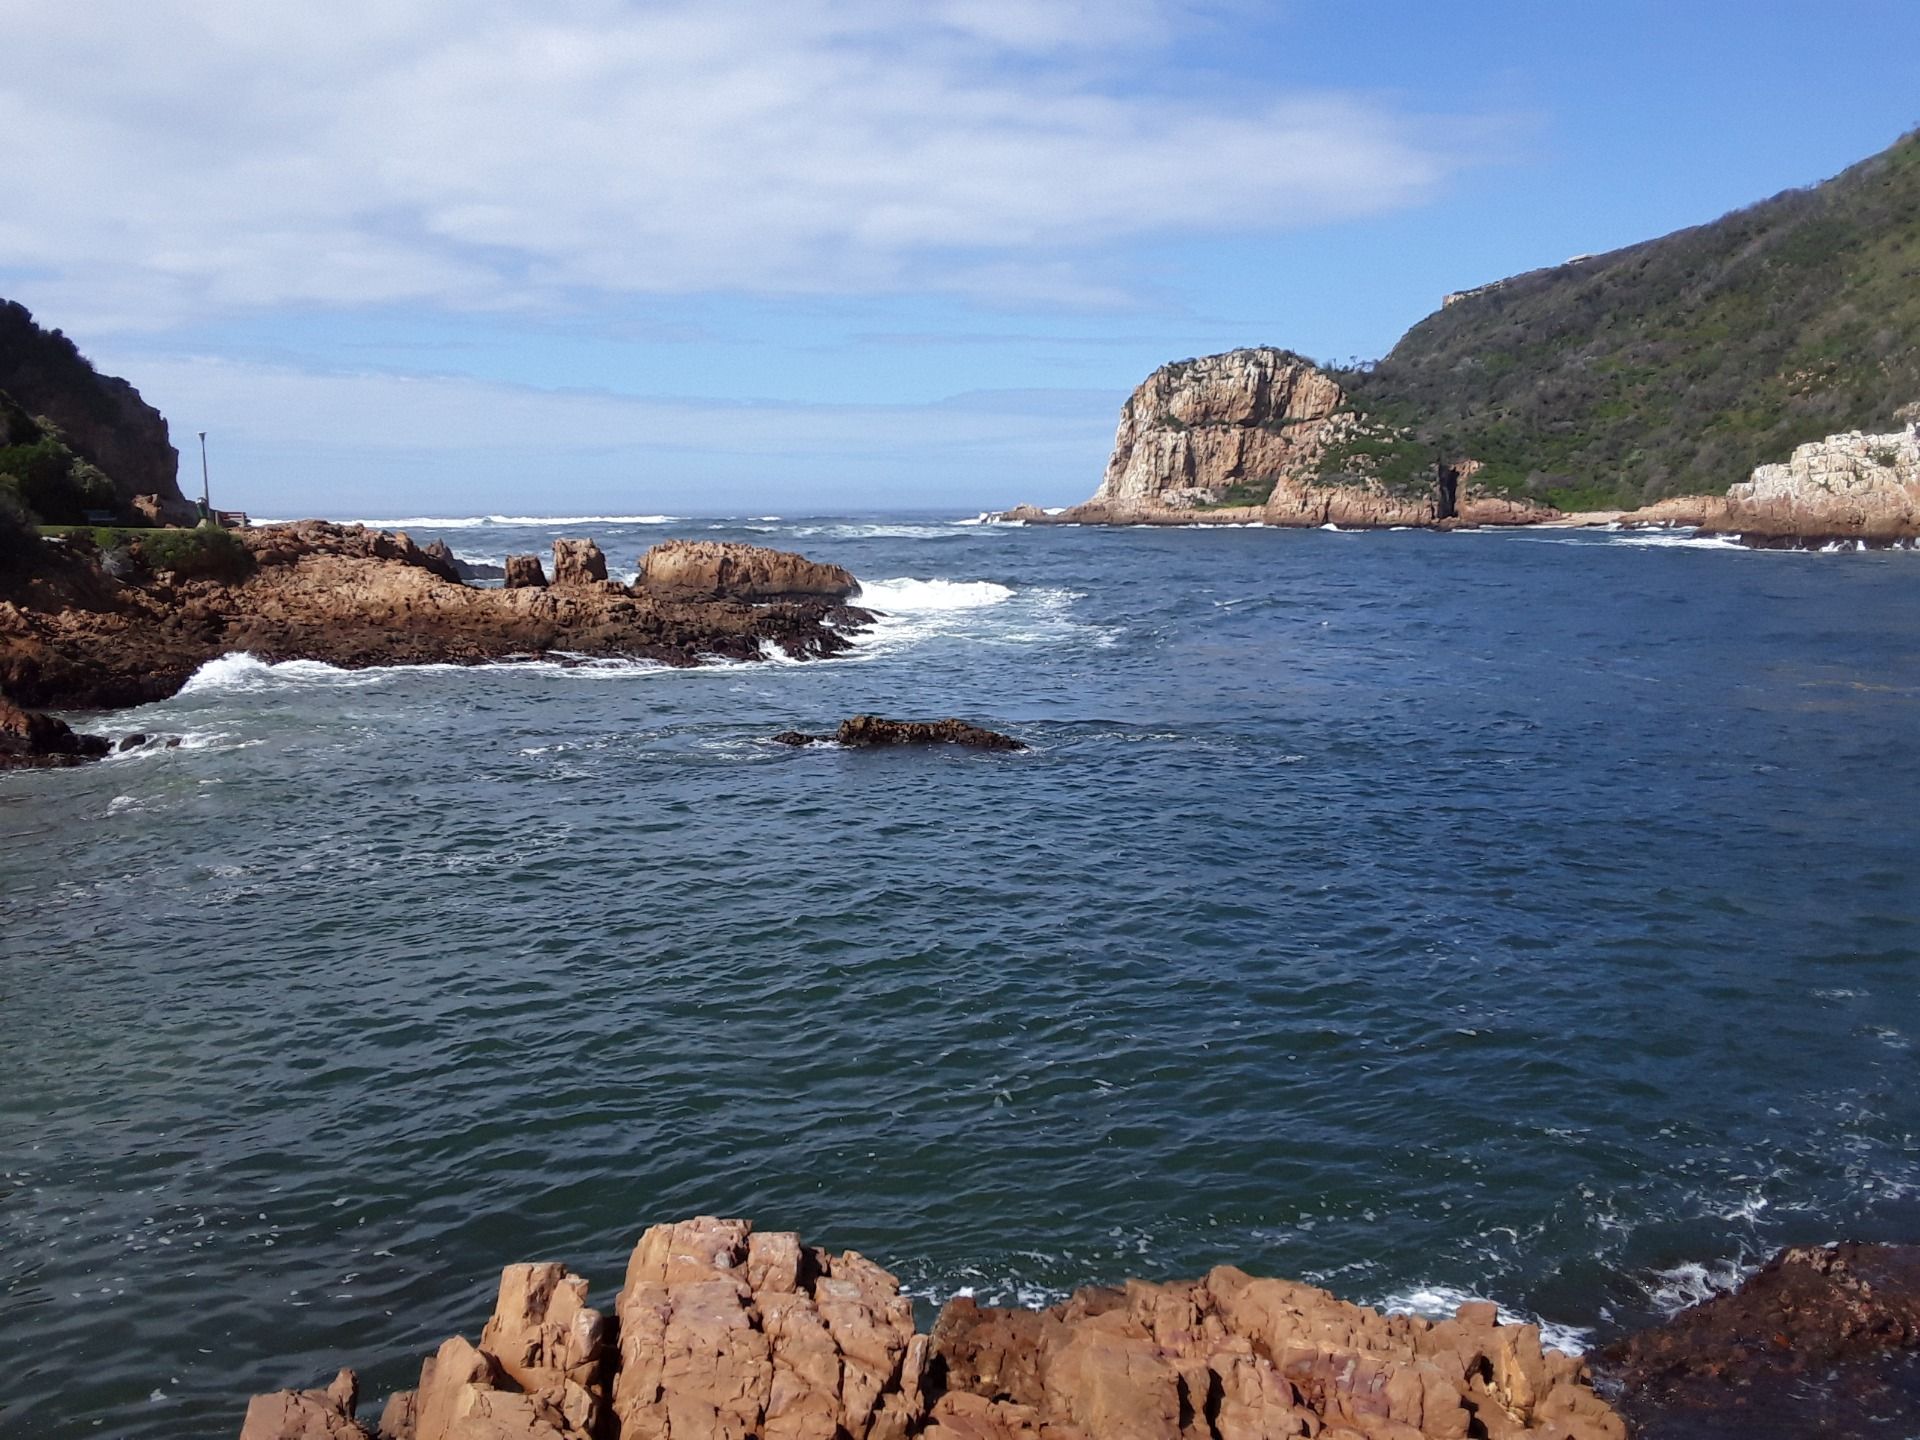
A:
1238, 1358
1846, 487
1821, 1341
102, 419
523, 572
30, 740
866, 732
1261, 437
578, 562
727, 570
307, 1414
71, 635
1675, 512
730, 1334
1198, 429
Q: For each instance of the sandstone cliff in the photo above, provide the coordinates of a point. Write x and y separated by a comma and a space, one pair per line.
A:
100, 418
1263, 436
723, 1333
1845, 487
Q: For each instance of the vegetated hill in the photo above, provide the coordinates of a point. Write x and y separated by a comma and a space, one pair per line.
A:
72, 438
1670, 367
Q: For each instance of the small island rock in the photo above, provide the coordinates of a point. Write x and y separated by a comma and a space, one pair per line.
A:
733, 571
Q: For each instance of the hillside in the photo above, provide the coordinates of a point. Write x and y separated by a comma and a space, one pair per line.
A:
72, 439
1671, 367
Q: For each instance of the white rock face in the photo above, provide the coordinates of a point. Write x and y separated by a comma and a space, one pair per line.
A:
1845, 485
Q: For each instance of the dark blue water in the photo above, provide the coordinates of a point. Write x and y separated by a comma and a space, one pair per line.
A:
1532, 916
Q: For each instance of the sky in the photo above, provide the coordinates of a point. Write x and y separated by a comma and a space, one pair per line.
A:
456, 257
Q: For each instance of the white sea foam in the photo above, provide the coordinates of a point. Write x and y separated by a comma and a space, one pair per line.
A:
1675, 540
907, 595
774, 653
1438, 1302
1672, 1291
241, 671
912, 611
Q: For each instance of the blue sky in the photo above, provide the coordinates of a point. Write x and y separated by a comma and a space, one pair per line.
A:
596, 256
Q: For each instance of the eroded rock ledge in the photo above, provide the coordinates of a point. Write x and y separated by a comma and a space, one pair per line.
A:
722, 1333
76, 634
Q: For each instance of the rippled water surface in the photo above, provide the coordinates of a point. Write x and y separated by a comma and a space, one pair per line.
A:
1532, 916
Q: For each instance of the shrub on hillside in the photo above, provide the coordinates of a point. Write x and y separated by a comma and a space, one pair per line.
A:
208, 553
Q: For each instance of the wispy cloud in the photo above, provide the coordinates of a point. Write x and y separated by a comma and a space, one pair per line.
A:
168, 157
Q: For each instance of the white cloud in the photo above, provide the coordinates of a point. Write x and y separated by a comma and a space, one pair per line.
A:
167, 157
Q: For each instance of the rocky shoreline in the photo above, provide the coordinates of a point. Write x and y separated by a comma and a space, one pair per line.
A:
84, 630
721, 1332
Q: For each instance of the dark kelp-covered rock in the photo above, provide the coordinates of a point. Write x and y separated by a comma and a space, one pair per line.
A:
725, 1333
868, 732
29, 739
1821, 1341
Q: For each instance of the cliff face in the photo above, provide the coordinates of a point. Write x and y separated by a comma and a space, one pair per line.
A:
1263, 436
1850, 486
100, 418
1222, 428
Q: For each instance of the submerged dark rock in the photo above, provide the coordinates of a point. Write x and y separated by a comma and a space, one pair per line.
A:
30, 739
1821, 1341
867, 732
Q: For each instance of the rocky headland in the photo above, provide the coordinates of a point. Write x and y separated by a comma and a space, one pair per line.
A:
724, 1333
84, 629
1632, 388
1264, 436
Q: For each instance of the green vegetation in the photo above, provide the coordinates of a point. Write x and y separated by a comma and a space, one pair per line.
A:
1243, 492
204, 553
42, 475
1671, 367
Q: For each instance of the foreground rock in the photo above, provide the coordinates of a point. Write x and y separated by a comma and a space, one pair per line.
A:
865, 732
74, 635
714, 569
1822, 1341
1845, 487
725, 1334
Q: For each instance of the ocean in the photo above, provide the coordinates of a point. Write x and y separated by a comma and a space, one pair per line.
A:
1526, 915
